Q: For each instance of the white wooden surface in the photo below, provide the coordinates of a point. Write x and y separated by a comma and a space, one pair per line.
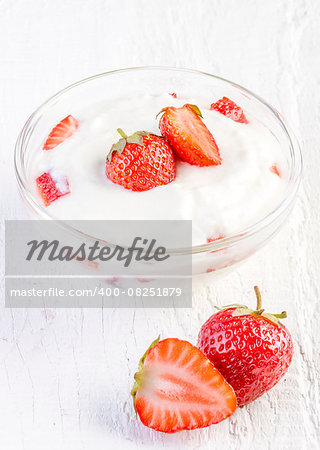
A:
65, 375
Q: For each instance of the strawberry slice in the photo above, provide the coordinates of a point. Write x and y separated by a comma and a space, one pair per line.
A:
188, 136
229, 109
49, 190
61, 132
177, 388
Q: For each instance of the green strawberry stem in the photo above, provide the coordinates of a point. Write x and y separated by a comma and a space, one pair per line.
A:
242, 310
259, 299
259, 311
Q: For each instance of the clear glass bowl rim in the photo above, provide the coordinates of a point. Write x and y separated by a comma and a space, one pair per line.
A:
242, 235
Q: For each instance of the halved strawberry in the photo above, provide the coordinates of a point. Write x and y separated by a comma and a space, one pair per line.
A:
188, 136
48, 189
61, 132
229, 109
177, 388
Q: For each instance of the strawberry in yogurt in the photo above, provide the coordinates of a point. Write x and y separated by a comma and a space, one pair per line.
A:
214, 167
140, 162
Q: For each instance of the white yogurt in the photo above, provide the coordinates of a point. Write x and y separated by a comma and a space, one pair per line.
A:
220, 200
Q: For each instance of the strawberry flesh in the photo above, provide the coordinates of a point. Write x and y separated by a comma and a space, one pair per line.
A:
62, 131
188, 136
48, 189
177, 388
229, 109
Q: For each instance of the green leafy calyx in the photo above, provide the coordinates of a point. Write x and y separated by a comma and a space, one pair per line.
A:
242, 310
135, 138
138, 376
195, 109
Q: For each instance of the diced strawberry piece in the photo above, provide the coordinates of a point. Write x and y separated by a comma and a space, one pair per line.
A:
229, 109
209, 239
174, 95
177, 388
188, 136
274, 169
48, 189
61, 132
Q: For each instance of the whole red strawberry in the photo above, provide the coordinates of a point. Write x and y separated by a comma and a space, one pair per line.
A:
188, 136
140, 162
251, 349
177, 388
229, 109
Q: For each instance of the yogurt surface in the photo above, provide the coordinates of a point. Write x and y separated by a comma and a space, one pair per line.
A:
220, 200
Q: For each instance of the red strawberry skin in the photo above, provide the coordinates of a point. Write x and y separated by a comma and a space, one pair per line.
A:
48, 189
62, 131
188, 136
229, 109
142, 167
251, 352
178, 389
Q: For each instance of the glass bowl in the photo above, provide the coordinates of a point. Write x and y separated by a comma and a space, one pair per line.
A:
212, 257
